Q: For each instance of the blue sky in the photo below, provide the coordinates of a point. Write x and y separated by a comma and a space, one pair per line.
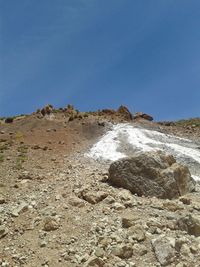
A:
101, 54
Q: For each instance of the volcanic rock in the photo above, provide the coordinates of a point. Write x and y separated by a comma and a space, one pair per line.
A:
152, 174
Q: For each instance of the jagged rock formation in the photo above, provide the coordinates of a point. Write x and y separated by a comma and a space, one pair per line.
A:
125, 112
122, 113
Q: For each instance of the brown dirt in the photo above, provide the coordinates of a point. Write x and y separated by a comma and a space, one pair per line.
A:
43, 168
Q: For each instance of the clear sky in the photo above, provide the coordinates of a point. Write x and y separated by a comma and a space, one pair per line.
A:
99, 54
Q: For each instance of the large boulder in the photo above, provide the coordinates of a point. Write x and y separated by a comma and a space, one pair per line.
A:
152, 174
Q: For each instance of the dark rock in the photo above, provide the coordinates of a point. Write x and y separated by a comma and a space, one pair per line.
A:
167, 123
3, 231
9, 120
101, 123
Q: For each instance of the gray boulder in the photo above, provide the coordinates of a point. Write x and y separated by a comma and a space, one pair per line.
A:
164, 249
152, 174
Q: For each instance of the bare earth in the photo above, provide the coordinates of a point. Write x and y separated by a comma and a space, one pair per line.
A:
57, 209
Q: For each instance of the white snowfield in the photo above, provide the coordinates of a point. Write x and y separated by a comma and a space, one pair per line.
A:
124, 139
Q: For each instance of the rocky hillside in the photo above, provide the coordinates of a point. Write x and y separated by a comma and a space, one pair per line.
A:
60, 207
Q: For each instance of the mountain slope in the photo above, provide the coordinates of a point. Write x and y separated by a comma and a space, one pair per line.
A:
57, 209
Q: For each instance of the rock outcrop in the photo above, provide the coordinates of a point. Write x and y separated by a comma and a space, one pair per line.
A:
152, 174
122, 110
121, 113
47, 110
71, 112
9, 120
141, 115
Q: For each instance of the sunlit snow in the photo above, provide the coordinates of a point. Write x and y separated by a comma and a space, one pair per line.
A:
125, 139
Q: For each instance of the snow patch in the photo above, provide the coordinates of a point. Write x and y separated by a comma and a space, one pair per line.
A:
106, 148
196, 178
124, 139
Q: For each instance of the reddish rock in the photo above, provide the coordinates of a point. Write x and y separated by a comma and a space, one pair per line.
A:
141, 115
122, 110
